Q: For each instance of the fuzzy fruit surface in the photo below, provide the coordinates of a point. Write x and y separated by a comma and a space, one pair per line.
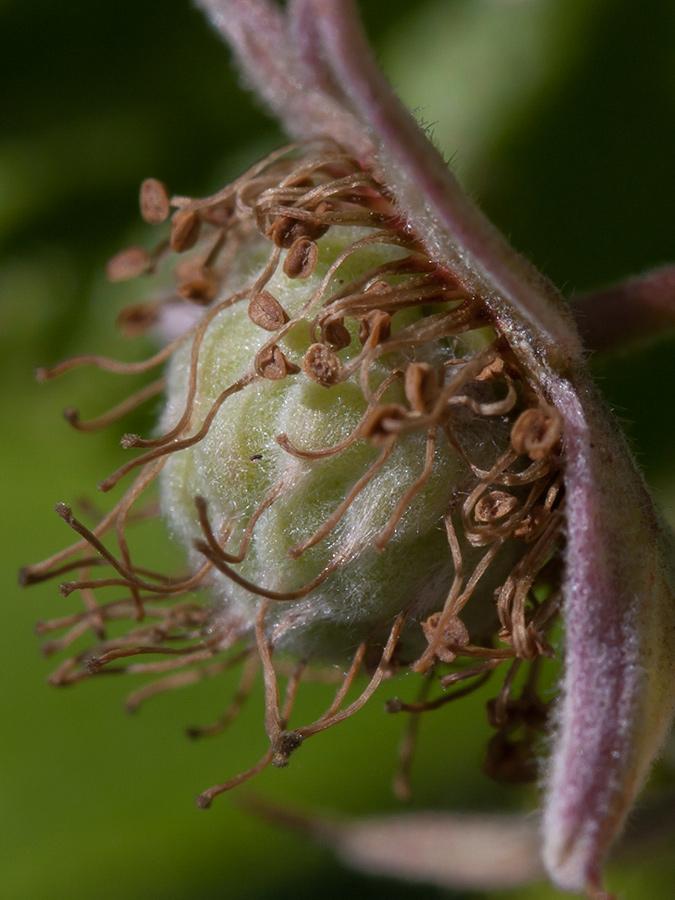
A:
239, 463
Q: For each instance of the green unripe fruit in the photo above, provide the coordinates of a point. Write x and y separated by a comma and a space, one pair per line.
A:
239, 463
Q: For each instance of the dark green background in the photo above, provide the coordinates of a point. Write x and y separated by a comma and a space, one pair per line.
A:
96, 96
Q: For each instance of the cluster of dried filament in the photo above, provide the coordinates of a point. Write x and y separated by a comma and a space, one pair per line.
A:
504, 515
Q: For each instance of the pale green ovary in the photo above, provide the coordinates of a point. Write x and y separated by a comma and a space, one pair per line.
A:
374, 586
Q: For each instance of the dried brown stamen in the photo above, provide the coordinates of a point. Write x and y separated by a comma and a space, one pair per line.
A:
536, 432
128, 263
322, 365
301, 259
201, 290
494, 506
335, 334
293, 226
137, 318
185, 228
154, 201
271, 363
421, 386
266, 312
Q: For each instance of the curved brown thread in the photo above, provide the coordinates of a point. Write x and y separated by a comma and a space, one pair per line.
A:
126, 652
130, 578
459, 448
402, 781
412, 264
477, 574
327, 159
154, 638
183, 679
273, 725
26, 577
218, 546
493, 408
547, 611
205, 799
499, 712
324, 722
291, 692
162, 590
457, 677
513, 599
355, 217
480, 534
453, 606
428, 657
111, 612
72, 416
403, 340
159, 452
177, 662
347, 681
66, 674
337, 186
399, 298
537, 469
554, 491
384, 536
432, 327
287, 191
534, 471
398, 267
342, 508
130, 441
190, 203
417, 290
103, 526
396, 706
68, 587
285, 443
363, 362
247, 197
243, 692
220, 564
268, 271
214, 252
508, 600
45, 373
160, 577
56, 646
259, 168
201, 507
268, 190
149, 472
467, 373
96, 621
275, 718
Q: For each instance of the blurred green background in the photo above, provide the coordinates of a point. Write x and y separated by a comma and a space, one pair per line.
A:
559, 116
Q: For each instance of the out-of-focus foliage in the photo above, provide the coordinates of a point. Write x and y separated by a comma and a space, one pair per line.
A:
561, 114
